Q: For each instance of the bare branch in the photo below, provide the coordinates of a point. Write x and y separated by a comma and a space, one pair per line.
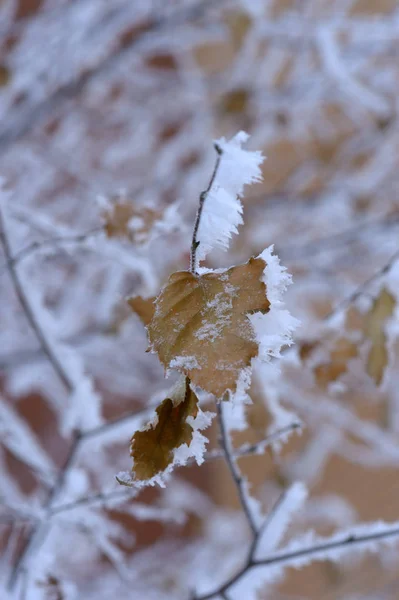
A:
234, 470
122, 494
316, 552
36, 246
245, 450
336, 240
319, 549
360, 290
41, 529
28, 310
259, 447
27, 119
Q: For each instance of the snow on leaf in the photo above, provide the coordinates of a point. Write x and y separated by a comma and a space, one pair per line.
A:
206, 317
152, 449
222, 212
374, 330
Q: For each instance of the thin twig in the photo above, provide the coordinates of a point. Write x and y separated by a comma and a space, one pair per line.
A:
287, 558
39, 531
350, 540
203, 196
28, 310
259, 447
105, 427
335, 240
360, 290
234, 470
250, 561
266, 524
28, 118
36, 246
245, 450
36, 354
123, 493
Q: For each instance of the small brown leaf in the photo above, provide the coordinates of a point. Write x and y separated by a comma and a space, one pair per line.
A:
117, 220
200, 325
152, 449
235, 101
124, 220
143, 307
330, 371
239, 24
5, 76
162, 61
375, 321
214, 57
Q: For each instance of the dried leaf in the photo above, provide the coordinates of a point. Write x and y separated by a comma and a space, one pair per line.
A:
200, 325
374, 330
117, 220
5, 76
362, 8
152, 449
214, 57
239, 24
143, 307
306, 349
235, 101
342, 352
124, 220
162, 61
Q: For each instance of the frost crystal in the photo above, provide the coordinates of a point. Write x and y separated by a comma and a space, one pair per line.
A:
222, 213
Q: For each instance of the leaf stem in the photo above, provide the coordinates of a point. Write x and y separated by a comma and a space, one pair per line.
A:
203, 196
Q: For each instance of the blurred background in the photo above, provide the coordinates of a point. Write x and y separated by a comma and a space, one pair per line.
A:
106, 104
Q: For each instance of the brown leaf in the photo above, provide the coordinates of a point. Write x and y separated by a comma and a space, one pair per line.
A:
162, 61
200, 325
5, 76
235, 101
375, 321
371, 7
124, 220
239, 24
117, 220
214, 57
143, 307
152, 449
330, 371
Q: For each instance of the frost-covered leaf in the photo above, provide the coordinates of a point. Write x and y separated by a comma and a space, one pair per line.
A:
152, 449
201, 325
374, 330
143, 307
